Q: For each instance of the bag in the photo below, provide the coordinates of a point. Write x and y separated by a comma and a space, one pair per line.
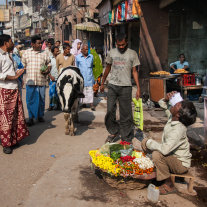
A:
138, 113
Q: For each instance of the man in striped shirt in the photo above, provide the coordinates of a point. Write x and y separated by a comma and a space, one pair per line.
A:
34, 60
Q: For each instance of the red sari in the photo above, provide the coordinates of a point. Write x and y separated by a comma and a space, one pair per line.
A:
13, 126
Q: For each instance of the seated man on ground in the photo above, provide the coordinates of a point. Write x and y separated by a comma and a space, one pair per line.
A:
180, 64
172, 155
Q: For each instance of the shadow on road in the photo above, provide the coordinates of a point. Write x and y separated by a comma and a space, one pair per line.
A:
39, 128
85, 120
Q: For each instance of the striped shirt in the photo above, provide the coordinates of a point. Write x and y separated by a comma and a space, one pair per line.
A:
32, 61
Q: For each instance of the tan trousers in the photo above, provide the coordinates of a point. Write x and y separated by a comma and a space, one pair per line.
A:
166, 165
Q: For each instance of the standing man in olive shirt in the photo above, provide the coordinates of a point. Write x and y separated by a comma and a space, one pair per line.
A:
120, 62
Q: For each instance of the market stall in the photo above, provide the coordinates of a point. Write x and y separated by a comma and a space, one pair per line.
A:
123, 161
162, 82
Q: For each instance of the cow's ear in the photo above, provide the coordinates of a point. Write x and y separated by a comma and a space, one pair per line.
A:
81, 95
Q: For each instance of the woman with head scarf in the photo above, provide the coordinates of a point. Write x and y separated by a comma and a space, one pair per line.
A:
76, 47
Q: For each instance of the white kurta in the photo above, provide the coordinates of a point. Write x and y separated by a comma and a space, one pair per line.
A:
88, 92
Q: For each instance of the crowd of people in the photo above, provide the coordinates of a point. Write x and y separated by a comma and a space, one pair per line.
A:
47, 60
43, 61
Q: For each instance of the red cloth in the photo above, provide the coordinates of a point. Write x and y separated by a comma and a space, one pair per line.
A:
13, 127
126, 9
119, 13
44, 46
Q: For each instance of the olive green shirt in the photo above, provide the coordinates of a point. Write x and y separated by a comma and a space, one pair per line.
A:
121, 66
174, 139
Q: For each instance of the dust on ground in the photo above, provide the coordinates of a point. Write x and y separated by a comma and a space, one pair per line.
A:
99, 190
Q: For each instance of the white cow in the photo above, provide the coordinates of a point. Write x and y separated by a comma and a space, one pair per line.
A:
69, 88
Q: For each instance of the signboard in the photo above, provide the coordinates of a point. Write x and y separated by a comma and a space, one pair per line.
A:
27, 32
4, 15
7, 31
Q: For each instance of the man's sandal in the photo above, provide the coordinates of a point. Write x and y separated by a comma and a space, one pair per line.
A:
166, 189
112, 138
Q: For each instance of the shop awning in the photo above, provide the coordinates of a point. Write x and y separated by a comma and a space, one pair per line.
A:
88, 26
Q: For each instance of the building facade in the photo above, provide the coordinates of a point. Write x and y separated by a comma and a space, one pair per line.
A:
72, 12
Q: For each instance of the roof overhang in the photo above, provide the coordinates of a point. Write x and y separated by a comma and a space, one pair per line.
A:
164, 3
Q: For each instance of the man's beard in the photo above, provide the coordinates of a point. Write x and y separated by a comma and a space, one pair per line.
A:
123, 50
10, 49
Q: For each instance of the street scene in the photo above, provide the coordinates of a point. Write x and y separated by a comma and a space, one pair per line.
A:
103, 103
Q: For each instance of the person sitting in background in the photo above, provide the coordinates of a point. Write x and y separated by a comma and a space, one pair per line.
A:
172, 155
180, 64
53, 75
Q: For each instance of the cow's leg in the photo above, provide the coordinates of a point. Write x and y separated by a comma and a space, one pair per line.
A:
66, 116
71, 125
73, 117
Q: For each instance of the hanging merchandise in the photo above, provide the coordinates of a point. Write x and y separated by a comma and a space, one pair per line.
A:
119, 9
129, 10
113, 16
116, 16
126, 9
110, 17
123, 11
138, 113
136, 10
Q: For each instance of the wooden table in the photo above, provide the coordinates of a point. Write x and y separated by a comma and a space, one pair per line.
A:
185, 89
158, 88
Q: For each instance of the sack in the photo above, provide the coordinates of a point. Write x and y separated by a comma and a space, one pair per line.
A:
138, 113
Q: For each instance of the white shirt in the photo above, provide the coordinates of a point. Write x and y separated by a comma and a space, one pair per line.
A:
54, 71
7, 68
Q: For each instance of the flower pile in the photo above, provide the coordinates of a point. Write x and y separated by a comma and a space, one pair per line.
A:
121, 160
144, 163
103, 162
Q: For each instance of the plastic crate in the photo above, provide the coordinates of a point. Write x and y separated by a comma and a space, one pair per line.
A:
188, 79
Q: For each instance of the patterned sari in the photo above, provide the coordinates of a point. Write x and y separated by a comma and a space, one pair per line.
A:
13, 127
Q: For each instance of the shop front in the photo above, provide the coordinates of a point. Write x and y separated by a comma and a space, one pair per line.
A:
123, 18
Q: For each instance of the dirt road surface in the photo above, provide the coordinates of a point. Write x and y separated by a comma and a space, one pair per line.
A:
51, 169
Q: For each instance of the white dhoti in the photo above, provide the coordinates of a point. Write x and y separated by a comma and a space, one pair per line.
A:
88, 92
